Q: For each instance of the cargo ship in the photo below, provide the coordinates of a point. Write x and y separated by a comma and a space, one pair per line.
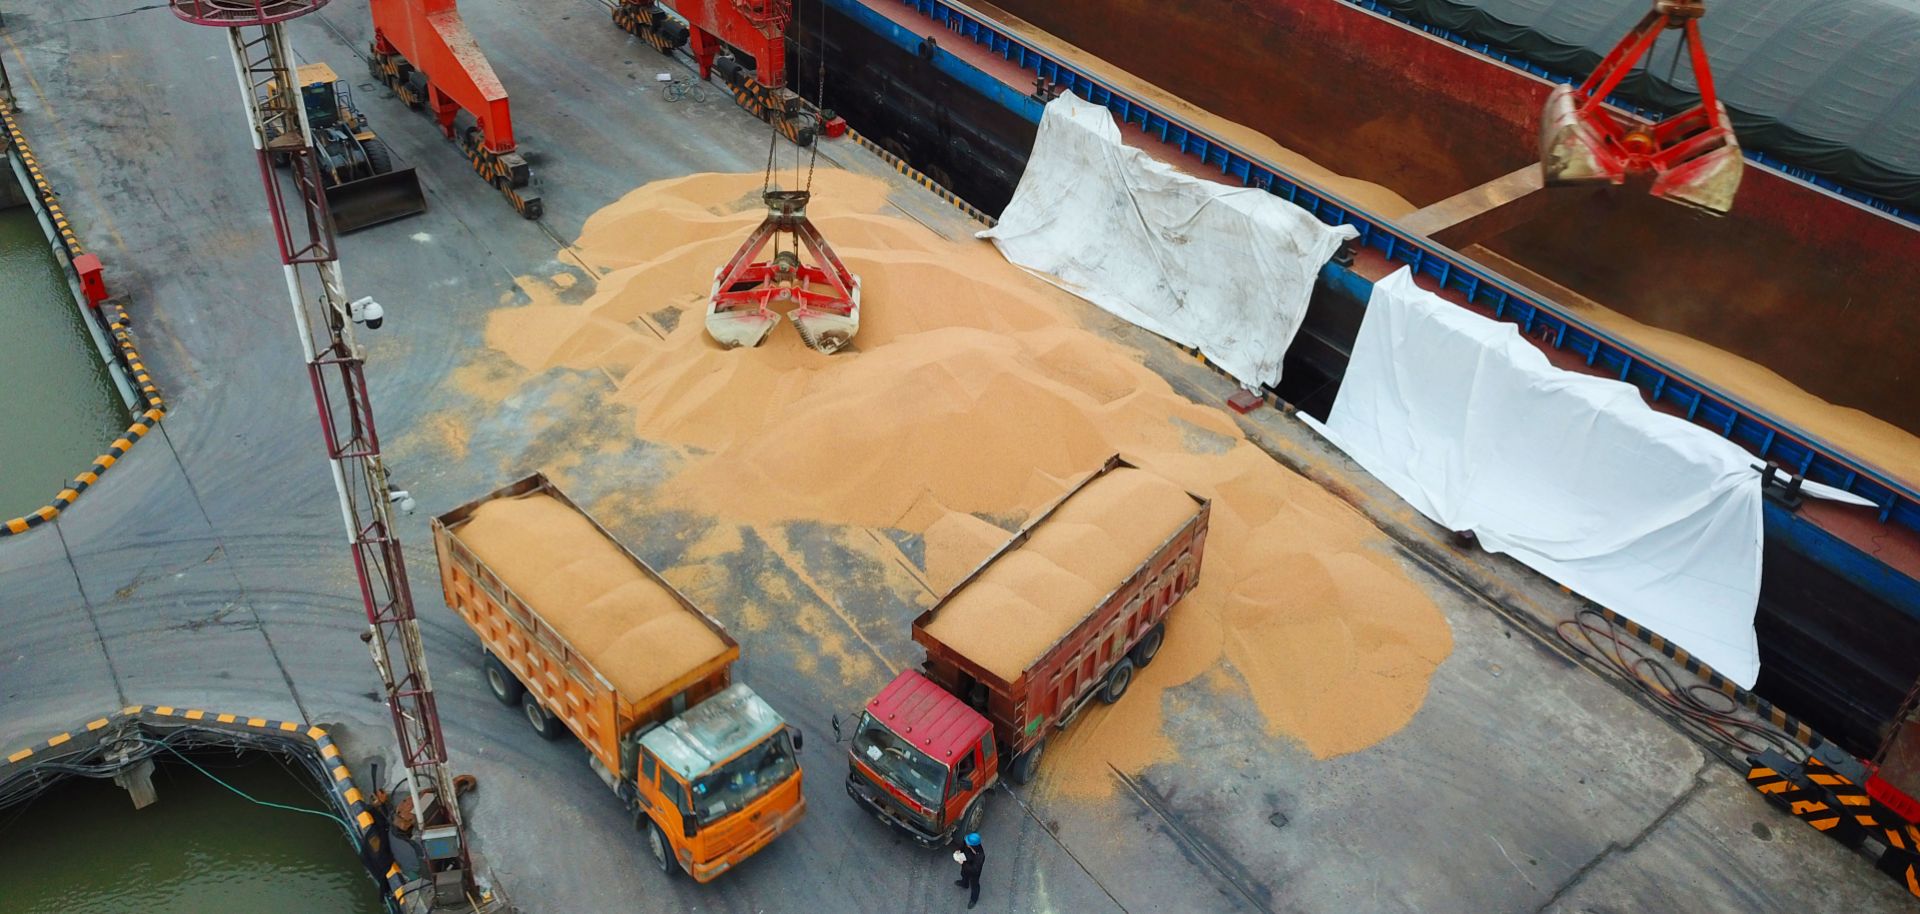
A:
1784, 325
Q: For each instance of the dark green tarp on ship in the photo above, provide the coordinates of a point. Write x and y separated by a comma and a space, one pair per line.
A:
1832, 86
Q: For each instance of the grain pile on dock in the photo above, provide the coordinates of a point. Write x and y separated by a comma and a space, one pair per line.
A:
972, 398
1030, 597
628, 626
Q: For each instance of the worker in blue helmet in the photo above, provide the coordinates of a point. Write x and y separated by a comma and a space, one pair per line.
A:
973, 857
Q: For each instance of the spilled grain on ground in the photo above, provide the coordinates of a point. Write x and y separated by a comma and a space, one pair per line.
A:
972, 397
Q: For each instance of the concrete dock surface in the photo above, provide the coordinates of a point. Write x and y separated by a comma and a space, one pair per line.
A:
209, 570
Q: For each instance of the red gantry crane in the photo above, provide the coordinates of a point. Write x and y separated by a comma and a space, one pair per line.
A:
325, 318
424, 53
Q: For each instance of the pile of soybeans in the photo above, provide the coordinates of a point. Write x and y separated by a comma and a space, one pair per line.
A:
624, 621
1031, 597
975, 391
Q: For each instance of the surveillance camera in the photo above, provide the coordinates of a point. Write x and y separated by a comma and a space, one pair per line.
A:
402, 499
367, 311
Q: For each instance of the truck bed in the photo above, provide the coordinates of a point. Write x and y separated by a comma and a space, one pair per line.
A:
1029, 636
1025, 599
624, 621
605, 642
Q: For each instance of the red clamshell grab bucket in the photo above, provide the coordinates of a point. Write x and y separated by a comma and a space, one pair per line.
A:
826, 294
1692, 156
1573, 150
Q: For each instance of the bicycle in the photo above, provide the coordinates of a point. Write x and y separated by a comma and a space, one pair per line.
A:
679, 87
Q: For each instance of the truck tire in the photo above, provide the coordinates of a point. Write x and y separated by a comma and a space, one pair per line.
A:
547, 725
1027, 764
501, 681
1118, 679
1149, 646
661, 849
970, 820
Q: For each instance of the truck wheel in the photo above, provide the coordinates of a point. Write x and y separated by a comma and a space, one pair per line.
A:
1117, 681
970, 821
504, 684
545, 724
1144, 652
1024, 767
661, 848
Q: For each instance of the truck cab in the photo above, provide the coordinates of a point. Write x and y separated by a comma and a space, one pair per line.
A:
717, 783
922, 760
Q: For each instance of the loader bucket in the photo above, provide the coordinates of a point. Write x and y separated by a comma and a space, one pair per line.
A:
735, 328
371, 201
1571, 150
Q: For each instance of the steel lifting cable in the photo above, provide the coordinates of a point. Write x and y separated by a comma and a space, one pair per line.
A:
773, 141
1673, 66
1697, 704
819, 89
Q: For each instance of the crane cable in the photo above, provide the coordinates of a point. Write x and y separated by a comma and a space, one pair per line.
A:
819, 89
820, 96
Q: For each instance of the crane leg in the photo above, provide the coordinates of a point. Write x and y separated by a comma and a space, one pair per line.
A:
645, 20
712, 32
703, 46
424, 53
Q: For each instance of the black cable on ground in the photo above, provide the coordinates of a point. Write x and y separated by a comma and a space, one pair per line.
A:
1701, 707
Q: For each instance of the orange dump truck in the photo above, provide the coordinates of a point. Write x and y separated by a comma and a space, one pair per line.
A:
1063, 613
586, 638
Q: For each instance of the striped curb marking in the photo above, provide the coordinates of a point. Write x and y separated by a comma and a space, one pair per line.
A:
346, 796
118, 325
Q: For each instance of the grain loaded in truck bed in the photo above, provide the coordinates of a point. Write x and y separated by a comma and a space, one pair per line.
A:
1006, 618
629, 627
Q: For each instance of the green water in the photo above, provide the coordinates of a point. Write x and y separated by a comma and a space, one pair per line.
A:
81, 848
58, 406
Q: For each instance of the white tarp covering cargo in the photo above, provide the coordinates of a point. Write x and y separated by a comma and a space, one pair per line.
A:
1225, 269
1574, 476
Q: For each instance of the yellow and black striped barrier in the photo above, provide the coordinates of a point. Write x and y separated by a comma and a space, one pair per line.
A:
114, 313
342, 793
1830, 802
42, 188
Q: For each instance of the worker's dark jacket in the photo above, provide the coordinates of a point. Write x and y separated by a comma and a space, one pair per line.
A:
976, 859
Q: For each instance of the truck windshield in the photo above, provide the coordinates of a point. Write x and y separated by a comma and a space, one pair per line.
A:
732, 786
898, 761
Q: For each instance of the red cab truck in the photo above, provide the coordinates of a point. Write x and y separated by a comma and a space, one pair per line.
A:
1063, 613
586, 638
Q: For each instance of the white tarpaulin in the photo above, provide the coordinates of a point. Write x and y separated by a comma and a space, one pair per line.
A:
1574, 476
1225, 269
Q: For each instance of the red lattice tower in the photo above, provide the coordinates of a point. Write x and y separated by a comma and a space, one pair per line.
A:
324, 317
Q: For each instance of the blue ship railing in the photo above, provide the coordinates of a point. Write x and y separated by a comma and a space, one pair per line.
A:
1771, 440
